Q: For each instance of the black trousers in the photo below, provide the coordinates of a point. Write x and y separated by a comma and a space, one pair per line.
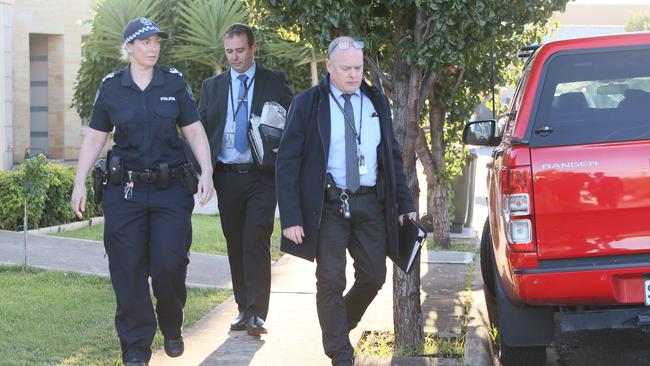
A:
149, 236
364, 236
247, 208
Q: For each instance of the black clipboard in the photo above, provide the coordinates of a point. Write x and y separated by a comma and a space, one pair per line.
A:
411, 239
262, 151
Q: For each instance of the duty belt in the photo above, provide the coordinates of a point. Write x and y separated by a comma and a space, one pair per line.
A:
151, 176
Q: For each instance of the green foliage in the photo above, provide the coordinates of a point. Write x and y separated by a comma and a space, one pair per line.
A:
195, 45
11, 209
202, 24
49, 187
456, 42
638, 21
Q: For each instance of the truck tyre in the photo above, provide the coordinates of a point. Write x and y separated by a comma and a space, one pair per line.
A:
486, 258
509, 355
487, 272
520, 356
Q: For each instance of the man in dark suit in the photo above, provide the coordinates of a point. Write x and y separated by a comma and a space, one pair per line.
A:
246, 195
341, 185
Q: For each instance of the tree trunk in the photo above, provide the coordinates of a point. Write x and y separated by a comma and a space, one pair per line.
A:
437, 202
25, 236
438, 208
407, 311
314, 68
218, 69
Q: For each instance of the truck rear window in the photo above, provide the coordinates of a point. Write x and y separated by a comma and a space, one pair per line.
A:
594, 96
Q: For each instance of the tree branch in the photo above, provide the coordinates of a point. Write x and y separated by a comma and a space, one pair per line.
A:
425, 87
425, 34
388, 83
423, 152
460, 79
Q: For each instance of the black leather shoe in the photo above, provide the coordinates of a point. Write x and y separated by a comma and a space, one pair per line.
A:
174, 347
240, 322
256, 326
135, 362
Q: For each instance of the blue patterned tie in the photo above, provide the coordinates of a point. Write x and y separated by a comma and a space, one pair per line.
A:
241, 142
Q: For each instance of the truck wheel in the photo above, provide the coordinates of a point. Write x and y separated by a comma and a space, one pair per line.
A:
519, 356
486, 258
487, 272
508, 355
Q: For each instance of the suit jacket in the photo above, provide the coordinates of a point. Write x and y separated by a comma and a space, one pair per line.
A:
270, 85
301, 168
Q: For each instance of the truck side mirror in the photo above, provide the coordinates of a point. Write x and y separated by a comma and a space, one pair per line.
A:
481, 133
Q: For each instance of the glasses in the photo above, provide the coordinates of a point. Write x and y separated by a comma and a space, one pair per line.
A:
345, 45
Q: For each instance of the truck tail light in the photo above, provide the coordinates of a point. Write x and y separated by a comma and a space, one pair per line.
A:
516, 190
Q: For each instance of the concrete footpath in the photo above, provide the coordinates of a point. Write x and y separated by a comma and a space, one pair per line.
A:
87, 256
294, 333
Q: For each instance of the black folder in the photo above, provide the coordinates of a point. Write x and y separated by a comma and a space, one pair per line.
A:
411, 238
262, 151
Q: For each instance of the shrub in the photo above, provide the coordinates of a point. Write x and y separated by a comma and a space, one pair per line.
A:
48, 209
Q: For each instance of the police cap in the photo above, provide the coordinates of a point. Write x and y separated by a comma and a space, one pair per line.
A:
142, 28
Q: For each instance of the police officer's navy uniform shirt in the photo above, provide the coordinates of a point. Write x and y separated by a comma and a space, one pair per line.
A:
370, 137
229, 154
145, 120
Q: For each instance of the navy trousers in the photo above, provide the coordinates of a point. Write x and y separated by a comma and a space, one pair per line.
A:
148, 236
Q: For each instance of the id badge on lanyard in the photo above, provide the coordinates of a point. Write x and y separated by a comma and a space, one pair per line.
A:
230, 140
363, 168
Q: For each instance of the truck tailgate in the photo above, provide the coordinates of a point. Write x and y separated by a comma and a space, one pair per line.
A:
592, 200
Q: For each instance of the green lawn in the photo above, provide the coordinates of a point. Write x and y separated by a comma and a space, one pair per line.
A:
67, 319
207, 236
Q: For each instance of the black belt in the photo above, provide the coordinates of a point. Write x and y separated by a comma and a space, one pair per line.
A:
239, 168
361, 190
150, 176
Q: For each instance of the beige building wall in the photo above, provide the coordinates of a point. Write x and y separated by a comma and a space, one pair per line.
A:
600, 14
6, 118
60, 21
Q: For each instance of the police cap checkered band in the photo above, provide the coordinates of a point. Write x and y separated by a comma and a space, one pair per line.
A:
141, 28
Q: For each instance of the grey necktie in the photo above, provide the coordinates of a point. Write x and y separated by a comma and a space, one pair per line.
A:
351, 157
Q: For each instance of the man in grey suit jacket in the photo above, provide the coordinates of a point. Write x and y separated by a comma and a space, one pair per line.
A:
246, 195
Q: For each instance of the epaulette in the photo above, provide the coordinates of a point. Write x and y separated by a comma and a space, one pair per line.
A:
172, 70
111, 75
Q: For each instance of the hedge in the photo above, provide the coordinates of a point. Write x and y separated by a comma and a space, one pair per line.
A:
47, 209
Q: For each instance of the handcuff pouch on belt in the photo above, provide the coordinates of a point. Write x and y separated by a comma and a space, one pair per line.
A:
99, 180
115, 169
189, 179
162, 176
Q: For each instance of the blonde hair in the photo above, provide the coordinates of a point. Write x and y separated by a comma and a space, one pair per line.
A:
124, 54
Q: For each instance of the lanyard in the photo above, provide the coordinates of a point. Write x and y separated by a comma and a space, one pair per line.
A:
239, 102
351, 123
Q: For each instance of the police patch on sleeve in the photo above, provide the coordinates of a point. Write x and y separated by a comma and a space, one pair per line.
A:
188, 89
108, 76
173, 70
96, 97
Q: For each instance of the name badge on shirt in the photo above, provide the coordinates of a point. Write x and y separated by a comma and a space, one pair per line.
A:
363, 168
230, 140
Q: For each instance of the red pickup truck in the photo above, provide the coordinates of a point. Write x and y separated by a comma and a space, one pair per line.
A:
568, 231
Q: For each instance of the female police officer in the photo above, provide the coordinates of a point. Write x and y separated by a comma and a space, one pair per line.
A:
147, 211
